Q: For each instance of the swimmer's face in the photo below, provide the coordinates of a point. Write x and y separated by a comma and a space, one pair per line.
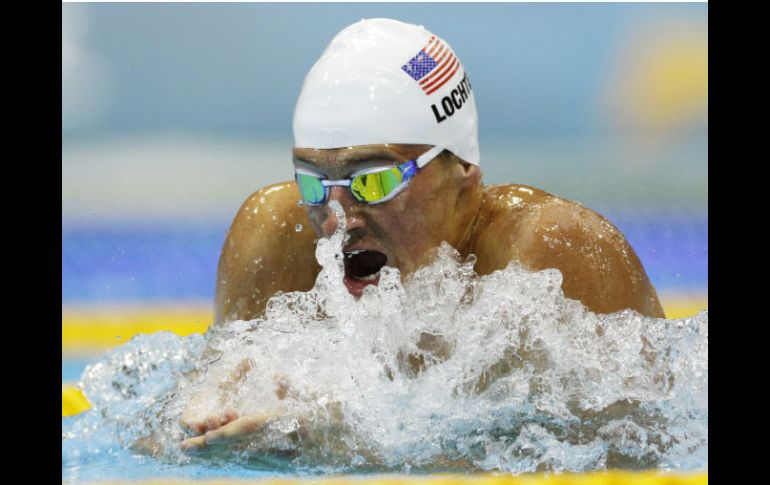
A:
402, 232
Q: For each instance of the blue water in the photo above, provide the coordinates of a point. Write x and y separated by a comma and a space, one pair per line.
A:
115, 461
151, 263
72, 369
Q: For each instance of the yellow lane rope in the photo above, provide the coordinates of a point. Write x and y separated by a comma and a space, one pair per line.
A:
680, 305
593, 478
73, 401
91, 330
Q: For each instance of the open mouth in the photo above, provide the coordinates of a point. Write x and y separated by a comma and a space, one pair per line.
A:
362, 268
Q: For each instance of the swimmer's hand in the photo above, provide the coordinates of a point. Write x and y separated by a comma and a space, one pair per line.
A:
209, 423
228, 427
322, 433
232, 430
195, 423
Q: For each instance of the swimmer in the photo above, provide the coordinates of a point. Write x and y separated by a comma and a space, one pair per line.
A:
386, 125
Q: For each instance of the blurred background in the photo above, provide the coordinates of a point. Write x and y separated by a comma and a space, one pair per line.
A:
172, 114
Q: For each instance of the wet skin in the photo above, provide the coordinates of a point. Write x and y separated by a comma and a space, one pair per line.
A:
446, 201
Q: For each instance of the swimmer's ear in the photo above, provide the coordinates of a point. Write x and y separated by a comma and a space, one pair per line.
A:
467, 167
470, 173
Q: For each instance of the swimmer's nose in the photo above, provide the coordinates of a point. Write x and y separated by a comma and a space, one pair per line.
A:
353, 219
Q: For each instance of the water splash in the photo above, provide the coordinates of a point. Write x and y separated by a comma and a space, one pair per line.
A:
447, 370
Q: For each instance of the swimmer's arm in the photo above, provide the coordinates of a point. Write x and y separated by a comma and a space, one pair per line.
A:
264, 253
322, 431
192, 420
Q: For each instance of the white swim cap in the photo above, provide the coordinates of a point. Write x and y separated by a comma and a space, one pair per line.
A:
384, 81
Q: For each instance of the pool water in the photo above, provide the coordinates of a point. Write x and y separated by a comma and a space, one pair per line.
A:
517, 379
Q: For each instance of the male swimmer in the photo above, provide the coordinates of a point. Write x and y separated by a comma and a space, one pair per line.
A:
386, 125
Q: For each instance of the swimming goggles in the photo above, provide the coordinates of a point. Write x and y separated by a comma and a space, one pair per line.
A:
372, 185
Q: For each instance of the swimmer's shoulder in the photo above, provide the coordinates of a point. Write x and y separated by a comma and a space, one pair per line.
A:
505, 217
268, 248
278, 200
522, 217
269, 216
540, 230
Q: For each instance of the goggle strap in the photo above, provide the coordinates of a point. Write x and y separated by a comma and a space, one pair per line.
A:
303, 171
426, 157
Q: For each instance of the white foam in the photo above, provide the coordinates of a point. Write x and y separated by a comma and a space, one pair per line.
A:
522, 378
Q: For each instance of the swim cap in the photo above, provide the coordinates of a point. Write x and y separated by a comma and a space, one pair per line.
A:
384, 81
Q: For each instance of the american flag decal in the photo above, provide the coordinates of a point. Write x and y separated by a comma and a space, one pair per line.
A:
433, 66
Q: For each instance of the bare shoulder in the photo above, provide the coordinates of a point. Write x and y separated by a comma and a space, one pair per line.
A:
268, 248
502, 230
539, 230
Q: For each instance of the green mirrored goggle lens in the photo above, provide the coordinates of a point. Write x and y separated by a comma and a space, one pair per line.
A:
311, 188
372, 187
